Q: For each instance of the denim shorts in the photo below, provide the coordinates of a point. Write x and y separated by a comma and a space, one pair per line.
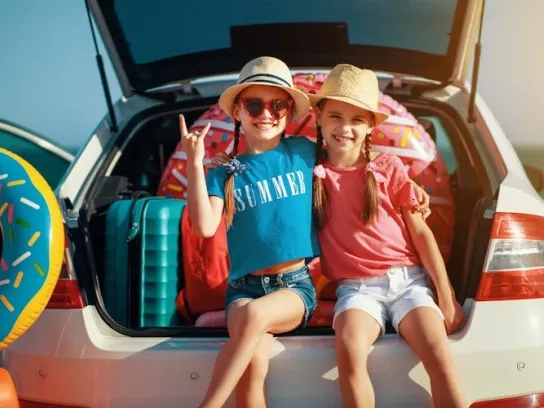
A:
253, 287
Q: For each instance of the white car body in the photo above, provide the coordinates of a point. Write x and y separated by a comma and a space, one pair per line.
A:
75, 357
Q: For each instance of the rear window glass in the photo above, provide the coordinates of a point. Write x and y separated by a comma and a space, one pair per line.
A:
156, 30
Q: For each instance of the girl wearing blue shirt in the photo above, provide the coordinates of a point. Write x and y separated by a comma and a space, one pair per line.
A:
265, 194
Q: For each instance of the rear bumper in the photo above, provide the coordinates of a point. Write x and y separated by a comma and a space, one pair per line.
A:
72, 357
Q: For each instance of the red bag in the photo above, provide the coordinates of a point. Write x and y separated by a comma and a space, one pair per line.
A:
206, 268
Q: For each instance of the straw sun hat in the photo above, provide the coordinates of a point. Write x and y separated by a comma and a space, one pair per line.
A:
349, 84
266, 71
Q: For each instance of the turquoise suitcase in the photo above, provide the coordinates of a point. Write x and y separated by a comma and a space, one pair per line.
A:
143, 268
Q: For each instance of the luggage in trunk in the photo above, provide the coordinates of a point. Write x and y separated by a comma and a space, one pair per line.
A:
143, 262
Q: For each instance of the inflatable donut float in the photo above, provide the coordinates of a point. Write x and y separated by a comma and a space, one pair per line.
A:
32, 245
402, 135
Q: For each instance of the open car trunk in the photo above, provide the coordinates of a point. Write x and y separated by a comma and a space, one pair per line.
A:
152, 44
156, 53
136, 165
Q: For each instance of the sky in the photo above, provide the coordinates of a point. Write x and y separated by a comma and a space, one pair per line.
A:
49, 80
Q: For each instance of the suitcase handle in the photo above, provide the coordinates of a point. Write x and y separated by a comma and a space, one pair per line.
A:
136, 215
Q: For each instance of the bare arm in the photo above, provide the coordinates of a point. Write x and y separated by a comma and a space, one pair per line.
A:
204, 211
429, 253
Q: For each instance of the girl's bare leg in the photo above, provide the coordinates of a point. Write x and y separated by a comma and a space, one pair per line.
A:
278, 312
356, 331
423, 329
250, 391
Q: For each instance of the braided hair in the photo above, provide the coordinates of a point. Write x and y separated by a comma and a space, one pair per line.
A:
230, 205
319, 191
372, 200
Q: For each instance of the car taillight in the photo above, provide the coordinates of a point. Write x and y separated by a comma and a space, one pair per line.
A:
522, 401
514, 265
67, 294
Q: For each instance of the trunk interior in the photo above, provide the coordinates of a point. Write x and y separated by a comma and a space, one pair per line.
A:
146, 144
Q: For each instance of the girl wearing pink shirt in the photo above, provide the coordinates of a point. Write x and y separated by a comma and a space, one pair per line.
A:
376, 245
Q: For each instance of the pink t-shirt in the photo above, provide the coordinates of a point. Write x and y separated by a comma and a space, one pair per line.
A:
349, 249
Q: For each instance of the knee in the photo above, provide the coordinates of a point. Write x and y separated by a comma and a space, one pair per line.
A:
351, 346
247, 319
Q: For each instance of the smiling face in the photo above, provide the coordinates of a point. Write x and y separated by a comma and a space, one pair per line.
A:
344, 127
263, 111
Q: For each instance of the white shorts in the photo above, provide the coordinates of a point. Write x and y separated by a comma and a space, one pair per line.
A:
391, 296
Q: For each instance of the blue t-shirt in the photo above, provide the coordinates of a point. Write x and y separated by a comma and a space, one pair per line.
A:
273, 221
